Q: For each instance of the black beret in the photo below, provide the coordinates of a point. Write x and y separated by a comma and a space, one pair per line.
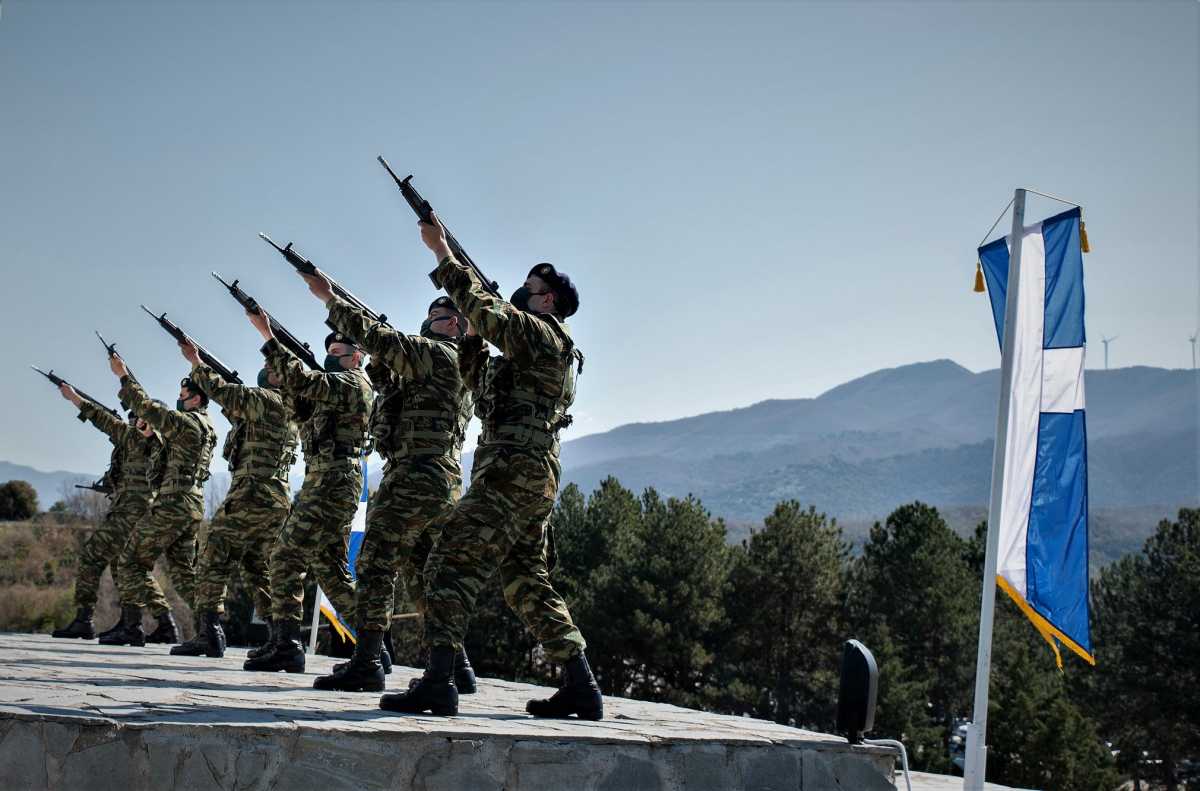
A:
443, 302
566, 295
337, 337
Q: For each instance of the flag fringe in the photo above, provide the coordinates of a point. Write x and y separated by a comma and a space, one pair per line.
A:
1049, 632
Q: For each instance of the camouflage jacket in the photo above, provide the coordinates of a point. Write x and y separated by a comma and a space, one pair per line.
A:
335, 433
262, 440
188, 437
130, 467
425, 405
523, 396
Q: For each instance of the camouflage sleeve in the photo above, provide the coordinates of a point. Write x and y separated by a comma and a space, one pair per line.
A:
340, 390
236, 399
169, 421
101, 418
472, 361
409, 356
518, 335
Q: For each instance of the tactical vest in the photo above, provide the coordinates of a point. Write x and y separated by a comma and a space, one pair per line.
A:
332, 435
261, 448
138, 455
421, 418
527, 406
116, 472
188, 457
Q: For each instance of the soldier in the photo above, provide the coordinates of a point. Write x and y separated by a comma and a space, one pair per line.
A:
260, 448
134, 447
418, 427
316, 532
502, 519
169, 527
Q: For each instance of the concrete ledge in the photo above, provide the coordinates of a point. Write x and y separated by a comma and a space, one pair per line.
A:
77, 715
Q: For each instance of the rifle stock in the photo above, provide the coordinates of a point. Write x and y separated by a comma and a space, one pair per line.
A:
207, 357
282, 334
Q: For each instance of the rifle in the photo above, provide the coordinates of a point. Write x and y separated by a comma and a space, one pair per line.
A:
206, 356
97, 486
58, 381
111, 348
285, 338
304, 266
425, 213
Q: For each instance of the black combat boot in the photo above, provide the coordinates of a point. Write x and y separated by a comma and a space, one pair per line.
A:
464, 674
434, 691
82, 627
193, 647
116, 627
130, 631
364, 671
385, 655
579, 694
214, 635
166, 631
286, 654
264, 649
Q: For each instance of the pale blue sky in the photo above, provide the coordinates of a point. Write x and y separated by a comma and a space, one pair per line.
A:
757, 201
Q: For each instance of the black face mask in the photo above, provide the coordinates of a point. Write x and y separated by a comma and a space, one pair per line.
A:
520, 298
427, 330
333, 363
263, 381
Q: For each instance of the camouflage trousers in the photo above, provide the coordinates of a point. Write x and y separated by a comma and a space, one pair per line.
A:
241, 536
167, 529
104, 546
403, 517
500, 522
315, 536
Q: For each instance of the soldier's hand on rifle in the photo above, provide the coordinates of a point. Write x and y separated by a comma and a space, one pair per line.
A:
318, 284
190, 352
434, 236
262, 323
117, 365
69, 393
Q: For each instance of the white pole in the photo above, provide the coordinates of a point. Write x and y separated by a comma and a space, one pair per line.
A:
976, 755
316, 622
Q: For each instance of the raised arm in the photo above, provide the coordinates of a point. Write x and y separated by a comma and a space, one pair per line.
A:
472, 361
158, 415
233, 398
101, 418
409, 356
340, 388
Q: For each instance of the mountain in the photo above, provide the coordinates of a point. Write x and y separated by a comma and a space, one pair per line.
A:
921, 431
49, 485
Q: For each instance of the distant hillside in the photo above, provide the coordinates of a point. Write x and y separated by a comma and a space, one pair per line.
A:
49, 485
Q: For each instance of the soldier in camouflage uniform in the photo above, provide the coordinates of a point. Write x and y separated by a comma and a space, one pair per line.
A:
169, 527
333, 435
134, 446
502, 519
260, 448
418, 428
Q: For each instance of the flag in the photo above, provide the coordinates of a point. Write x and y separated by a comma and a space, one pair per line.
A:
1042, 562
358, 530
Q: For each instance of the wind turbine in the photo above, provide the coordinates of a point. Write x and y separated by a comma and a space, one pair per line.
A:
1192, 340
1107, 341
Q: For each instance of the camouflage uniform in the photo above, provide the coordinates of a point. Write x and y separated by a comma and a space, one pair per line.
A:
169, 527
260, 448
129, 475
333, 434
502, 519
418, 426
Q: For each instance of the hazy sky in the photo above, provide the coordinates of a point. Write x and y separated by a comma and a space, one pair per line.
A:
757, 201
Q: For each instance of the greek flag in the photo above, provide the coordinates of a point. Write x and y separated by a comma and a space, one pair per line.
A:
1042, 561
358, 529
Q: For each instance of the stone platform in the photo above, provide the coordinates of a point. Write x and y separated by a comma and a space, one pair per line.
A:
78, 715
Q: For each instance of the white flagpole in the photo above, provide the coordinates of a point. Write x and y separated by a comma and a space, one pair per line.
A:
316, 622
976, 755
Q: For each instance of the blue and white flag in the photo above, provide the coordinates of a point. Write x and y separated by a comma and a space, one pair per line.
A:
1042, 561
358, 530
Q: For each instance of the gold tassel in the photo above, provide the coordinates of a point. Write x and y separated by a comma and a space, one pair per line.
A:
979, 287
1083, 240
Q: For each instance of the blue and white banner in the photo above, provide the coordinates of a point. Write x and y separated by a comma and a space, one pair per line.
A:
358, 530
1042, 561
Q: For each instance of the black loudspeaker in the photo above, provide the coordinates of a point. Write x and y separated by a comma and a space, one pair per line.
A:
856, 697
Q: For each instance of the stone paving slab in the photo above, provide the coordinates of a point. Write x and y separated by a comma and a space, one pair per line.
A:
75, 714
